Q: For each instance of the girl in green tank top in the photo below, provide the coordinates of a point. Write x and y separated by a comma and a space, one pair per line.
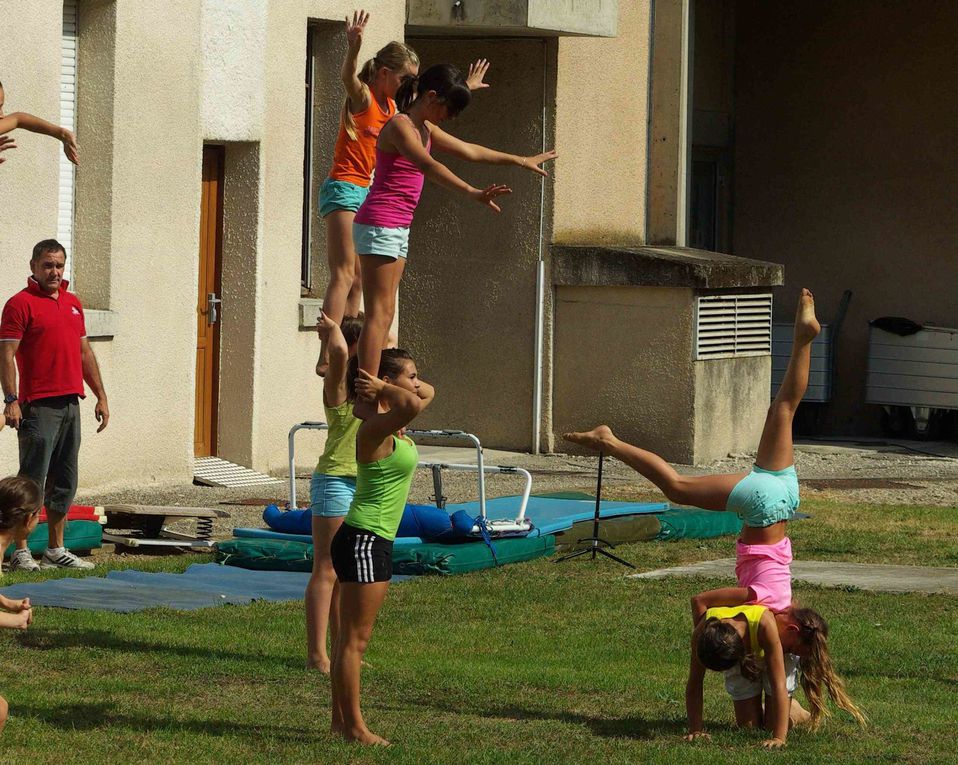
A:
362, 549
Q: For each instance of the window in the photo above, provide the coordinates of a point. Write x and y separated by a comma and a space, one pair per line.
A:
728, 326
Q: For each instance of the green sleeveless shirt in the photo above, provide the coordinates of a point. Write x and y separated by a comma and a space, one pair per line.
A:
381, 490
339, 456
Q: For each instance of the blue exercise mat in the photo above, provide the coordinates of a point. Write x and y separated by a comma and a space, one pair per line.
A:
550, 515
202, 585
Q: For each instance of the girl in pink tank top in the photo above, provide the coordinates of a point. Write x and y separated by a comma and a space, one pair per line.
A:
403, 162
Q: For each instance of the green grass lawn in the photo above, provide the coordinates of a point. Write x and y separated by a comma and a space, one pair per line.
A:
534, 663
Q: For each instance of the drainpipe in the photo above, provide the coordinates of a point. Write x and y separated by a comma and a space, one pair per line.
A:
540, 277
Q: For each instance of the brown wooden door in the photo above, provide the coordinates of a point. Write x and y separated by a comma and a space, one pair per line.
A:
208, 308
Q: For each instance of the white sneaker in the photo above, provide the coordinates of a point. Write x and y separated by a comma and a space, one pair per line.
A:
22, 560
62, 558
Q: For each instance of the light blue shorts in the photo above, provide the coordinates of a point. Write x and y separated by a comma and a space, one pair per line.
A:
340, 195
765, 497
330, 495
380, 240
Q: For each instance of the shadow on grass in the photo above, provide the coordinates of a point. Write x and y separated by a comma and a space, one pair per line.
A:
96, 716
47, 639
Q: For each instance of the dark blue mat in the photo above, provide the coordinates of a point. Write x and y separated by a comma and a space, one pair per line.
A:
202, 585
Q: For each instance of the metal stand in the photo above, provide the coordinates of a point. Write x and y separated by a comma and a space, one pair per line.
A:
595, 543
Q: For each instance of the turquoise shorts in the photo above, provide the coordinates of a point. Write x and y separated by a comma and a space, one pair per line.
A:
330, 495
765, 497
340, 195
381, 240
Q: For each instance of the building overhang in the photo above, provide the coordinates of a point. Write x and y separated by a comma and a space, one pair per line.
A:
609, 266
510, 18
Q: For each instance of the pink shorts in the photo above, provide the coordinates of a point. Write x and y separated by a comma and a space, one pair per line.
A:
766, 571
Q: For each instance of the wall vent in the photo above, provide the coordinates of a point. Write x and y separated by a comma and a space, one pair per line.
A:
729, 326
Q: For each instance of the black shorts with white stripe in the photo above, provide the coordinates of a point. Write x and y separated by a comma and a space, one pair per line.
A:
361, 556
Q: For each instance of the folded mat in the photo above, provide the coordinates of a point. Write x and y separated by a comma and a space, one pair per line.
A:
692, 523
202, 585
77, 535
462, 557
265, 554
616, 531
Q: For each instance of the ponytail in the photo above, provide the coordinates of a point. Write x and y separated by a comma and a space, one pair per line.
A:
395, 56
817, 671
445, 80
407, 93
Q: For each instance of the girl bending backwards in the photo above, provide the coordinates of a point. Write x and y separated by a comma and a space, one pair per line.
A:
362, 548
403, 162
332, 487
20, 503
370, 94
9, 122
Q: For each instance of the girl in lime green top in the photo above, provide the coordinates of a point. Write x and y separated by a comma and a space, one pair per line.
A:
362, 549
332, 486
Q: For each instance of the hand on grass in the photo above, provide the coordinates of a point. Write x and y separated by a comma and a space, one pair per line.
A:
368, 387
477, 71
532, 163
773, 743
699, 735
487, 196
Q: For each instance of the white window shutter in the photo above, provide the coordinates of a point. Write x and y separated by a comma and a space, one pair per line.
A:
68, 98
727, 326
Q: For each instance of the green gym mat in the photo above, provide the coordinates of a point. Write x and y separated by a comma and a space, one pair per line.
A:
78, 535
693, 523
265, 554
468, 556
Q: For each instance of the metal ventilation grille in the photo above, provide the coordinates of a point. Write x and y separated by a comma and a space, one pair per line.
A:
727, 326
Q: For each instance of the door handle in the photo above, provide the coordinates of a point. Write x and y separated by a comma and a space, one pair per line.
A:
212, 314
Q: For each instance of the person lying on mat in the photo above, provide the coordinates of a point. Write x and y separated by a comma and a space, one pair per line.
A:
361, 551
20, 504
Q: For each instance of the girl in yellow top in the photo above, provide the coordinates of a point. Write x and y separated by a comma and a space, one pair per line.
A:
369, 105
362, 548
752, 646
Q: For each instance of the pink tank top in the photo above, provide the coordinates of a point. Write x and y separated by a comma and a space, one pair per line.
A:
395, 191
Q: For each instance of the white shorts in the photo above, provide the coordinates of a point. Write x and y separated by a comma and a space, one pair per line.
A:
381, 240
739, 688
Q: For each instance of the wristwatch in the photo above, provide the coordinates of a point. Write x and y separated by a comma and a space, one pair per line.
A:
10, 399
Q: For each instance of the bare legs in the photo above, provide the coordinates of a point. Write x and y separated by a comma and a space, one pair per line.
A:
344, 292
322, 601
359, 605
381, 276
775, 448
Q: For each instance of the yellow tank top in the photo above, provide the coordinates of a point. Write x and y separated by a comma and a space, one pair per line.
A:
752, 614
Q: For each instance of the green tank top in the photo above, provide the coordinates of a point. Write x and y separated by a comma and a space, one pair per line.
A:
339, 456
381, 490
753, 615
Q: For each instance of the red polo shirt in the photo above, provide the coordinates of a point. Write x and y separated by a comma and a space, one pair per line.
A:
49, 330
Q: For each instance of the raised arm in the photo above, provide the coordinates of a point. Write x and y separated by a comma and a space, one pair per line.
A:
403, 406
725, 596
777, 702
693, 692
426, 393
37, 125
474, 152
405, 138
91, 375
334, 382
477, 71
356, 90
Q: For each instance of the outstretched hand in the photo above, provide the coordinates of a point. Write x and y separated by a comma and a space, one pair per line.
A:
354, 30
6, 142
368, 387
477, 71
488, 195
532, 163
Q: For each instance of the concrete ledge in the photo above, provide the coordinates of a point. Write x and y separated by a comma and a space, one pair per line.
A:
101, 324
602, 266
309, 309
533, 18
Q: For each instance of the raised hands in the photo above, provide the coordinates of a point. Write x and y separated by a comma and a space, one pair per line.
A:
477, 71
324, 325
6, 142
368, 387
354, 30
532, 163
488, 195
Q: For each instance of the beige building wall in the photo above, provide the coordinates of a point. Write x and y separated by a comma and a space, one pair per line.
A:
601, 125
727, 421
845, 163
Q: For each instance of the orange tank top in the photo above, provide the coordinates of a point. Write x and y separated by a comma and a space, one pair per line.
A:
354, 160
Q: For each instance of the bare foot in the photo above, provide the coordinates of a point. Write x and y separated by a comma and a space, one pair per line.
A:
597, 438
806, 325
365, 737
797, 714
321, 665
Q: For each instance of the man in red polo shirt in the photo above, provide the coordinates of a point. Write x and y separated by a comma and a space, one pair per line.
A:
43, 334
